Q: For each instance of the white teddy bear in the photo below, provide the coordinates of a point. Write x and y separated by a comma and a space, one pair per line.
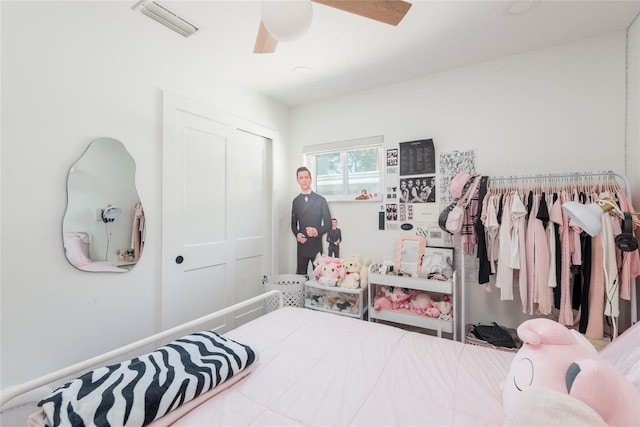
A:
364, 272
352, 267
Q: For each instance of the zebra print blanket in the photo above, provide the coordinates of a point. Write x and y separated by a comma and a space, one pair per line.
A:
143, 389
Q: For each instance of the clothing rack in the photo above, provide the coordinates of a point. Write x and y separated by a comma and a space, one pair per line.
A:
566, 175
560, 175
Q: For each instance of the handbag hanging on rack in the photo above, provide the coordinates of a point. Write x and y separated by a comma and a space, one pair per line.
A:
451, 219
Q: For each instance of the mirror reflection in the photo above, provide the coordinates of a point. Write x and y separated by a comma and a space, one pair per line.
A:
103, 226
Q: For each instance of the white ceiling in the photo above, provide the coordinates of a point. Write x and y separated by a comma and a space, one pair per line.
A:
348, 53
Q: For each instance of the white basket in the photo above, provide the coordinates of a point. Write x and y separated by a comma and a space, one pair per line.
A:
291, 286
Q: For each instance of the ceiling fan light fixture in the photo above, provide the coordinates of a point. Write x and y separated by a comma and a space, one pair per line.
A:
287, 20
166, 17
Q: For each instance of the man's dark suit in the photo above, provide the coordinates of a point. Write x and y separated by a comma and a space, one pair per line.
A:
311, 213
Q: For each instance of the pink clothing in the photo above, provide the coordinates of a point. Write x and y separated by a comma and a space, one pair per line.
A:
595, 323
518, 244
542, 293
468, 241
492, 227
552, 282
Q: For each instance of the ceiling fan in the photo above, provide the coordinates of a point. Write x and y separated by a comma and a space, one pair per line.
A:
273, 14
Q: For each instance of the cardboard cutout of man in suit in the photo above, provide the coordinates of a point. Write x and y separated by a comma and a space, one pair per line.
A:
310, 220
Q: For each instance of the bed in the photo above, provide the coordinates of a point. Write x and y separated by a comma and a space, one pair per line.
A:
316, 368
77, 247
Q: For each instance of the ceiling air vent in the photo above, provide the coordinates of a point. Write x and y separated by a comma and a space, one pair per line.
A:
166, 17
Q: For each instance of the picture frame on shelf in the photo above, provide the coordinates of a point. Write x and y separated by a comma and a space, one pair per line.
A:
438, 263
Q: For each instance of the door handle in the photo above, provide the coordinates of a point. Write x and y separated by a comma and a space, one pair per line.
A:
179, 259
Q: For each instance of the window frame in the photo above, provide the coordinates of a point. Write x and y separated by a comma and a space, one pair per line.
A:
341, 147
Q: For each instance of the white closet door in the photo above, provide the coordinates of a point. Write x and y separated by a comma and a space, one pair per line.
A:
215, 214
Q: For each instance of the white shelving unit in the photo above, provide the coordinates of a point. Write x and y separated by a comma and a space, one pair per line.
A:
345, 302
432, 286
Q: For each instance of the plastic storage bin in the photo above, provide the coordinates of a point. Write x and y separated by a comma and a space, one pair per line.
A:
334, 299
291, 286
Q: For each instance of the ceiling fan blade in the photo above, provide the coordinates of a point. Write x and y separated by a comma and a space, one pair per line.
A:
265, 42
388, 11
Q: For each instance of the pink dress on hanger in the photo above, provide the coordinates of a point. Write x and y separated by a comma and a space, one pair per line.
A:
552, 281
492, 228
538, 279
595, 324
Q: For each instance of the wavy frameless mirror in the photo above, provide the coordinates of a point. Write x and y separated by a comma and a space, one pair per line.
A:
103, 227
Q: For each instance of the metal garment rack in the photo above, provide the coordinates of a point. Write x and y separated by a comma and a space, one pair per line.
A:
623, 178
566, 175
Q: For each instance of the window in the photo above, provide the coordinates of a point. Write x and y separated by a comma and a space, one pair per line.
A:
343, 170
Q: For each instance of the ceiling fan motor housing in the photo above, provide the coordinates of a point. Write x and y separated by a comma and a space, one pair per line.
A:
287, 20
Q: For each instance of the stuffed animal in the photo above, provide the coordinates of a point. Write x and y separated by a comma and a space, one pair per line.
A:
313, 298
352, 268
553, 357
329, 273
445, 307
381, 301
364, 272
432, 311
399, 298
420, 302
329, 302
320, 259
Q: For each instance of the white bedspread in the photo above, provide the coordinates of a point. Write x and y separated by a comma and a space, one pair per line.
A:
327, 370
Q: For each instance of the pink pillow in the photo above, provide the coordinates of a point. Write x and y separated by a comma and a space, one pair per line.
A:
75, 249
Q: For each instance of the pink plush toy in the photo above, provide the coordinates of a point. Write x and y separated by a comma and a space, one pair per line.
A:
381, 301
556, 358
432, 311
421, 302
331, 274
399, 298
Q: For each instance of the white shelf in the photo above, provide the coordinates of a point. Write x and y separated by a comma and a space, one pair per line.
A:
412, 319
432, 286
318, 285
440, 286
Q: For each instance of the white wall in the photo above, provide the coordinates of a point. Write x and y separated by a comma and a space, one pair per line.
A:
70, 74
550, 110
